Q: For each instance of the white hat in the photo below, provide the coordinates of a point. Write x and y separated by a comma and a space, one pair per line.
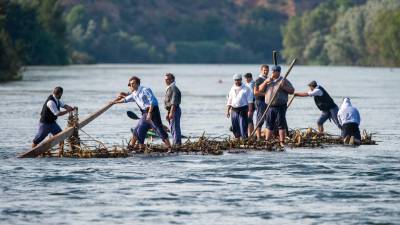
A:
237, 76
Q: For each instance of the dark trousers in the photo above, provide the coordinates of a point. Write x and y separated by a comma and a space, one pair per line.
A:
143, 125
175, 126
261, 106
44, 130
239, 119
351, 129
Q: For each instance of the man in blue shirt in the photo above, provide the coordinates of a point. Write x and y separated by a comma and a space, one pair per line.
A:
148, 105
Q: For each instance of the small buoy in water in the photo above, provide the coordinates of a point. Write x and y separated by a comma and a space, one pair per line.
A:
219, 81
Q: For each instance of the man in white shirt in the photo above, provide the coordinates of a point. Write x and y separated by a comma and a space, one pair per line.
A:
48, 116
148, 105
324, 103
239, 107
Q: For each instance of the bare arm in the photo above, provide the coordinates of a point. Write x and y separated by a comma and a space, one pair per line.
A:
263, 85
172, 112
149, 113
70, 108
301, 94
228, 111
286, 86
61, 113
250, 112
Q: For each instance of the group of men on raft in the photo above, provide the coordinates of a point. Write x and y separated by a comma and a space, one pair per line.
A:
243, 100
254, 96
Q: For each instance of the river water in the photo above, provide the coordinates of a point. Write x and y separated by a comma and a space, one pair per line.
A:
333, 185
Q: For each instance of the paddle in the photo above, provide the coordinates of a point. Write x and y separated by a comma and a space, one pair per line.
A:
274, 96
132, 115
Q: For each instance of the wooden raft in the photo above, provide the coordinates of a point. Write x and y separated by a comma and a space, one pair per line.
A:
66, 133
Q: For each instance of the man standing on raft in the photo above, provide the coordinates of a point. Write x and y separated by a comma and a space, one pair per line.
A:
324, 103
148, 105
239, 107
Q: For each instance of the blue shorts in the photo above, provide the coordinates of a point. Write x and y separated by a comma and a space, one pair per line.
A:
276, 117
44, 130
331, 115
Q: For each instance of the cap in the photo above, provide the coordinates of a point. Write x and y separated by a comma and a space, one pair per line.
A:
237, 76
276, 68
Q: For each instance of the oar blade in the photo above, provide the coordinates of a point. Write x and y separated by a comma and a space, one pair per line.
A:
132, 115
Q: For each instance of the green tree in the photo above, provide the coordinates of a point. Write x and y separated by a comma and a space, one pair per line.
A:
383, 40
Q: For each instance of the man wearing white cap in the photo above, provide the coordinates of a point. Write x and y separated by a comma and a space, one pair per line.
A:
239, 107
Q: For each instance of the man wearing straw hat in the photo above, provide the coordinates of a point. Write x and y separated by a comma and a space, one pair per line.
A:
276, 114
239, 107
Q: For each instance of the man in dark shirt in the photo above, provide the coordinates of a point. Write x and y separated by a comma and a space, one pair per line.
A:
260, 99
324, 103
172, 103
48, 116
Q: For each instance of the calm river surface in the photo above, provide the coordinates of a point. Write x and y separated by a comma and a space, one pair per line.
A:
335, 185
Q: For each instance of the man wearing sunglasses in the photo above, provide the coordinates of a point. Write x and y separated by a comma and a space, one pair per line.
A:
148, 105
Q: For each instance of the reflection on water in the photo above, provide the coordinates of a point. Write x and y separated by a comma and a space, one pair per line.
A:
331, 185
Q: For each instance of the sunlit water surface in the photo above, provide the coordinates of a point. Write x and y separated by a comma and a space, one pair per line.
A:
335, 185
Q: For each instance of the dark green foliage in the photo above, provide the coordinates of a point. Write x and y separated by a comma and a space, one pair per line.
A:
31, 33
344, 33
173, 31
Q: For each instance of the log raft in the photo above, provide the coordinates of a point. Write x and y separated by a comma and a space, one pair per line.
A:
66, 133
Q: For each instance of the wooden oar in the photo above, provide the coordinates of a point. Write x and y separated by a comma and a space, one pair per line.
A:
274, 96
56, 139
290, 101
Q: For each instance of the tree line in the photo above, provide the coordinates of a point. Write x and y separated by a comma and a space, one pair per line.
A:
339, 32
58, 32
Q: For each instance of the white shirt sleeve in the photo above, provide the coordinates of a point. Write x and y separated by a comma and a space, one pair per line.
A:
129, 98
53, 107
315, 92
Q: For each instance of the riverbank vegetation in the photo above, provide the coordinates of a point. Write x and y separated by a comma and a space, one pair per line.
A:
331, 32
342, 33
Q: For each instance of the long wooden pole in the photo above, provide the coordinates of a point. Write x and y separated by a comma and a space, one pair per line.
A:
274, 96
56, 139
290, 101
